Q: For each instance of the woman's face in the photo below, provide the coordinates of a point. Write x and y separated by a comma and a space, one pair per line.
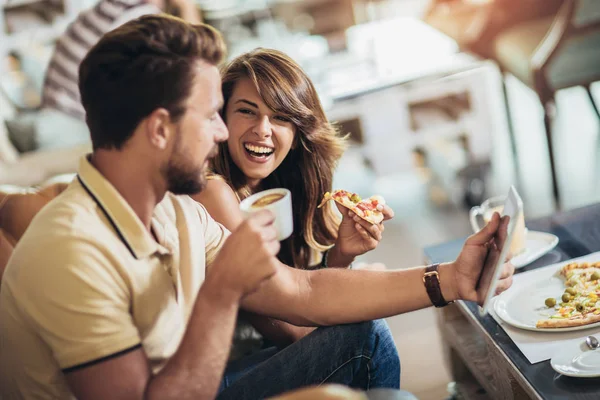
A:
259, 139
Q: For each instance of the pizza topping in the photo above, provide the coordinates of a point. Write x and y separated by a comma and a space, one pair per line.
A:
571, 291
365, 209
377, 200
355, 198
580, 302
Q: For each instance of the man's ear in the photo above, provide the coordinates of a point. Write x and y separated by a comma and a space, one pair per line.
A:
159, 128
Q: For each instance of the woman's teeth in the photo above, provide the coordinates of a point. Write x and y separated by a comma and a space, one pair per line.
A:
258, 151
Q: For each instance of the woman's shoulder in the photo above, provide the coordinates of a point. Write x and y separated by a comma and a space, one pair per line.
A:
221, 202
217, 188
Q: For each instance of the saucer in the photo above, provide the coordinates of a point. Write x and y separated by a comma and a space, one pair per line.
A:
536, 245
577, 360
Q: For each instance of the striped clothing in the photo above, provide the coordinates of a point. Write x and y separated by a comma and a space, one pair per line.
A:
61, 90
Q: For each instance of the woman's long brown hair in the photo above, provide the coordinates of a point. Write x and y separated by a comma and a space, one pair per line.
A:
307, 170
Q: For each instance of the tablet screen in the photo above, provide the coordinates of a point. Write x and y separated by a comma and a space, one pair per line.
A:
494, 262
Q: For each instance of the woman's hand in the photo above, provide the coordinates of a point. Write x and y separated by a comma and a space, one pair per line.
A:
356, 236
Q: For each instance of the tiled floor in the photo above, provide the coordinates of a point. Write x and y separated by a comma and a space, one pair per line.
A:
419, 222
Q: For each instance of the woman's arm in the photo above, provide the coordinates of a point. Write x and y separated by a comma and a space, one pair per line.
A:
222, 204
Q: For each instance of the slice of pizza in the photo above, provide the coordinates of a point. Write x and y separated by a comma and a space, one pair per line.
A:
579, 304
365, 209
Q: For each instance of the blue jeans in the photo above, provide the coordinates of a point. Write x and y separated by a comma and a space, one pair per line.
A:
362, 356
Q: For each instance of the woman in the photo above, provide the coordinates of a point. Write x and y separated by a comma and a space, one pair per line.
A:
279, 136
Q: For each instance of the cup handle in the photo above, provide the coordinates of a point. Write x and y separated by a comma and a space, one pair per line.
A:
475, 211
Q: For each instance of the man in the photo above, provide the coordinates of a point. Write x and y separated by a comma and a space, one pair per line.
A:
62, 119
122, 289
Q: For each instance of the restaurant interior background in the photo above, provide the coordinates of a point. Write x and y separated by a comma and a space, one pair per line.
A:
439, 116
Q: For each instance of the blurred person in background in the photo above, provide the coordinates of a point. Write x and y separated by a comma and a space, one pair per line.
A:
61, 122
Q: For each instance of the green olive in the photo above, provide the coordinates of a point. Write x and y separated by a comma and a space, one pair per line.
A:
579, 306
566, 297
571, 291
550, 302
595, 276
355, 198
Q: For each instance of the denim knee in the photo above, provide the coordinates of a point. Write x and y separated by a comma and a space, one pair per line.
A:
385, 361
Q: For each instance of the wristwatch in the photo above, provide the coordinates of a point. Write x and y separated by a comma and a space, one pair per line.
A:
431, 279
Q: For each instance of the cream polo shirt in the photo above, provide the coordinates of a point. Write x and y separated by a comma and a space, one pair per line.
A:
87, 281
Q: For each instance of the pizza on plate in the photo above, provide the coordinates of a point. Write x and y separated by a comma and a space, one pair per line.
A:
365, 209
579, 304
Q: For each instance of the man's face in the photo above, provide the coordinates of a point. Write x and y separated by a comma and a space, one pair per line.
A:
198, 133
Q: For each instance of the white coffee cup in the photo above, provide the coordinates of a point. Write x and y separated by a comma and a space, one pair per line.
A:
487, 210
279, 202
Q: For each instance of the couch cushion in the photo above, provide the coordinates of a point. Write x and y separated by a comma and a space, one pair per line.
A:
8, 152
46, 129
21, 132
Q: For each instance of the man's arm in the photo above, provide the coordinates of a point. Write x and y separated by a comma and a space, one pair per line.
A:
194, 372
337, 296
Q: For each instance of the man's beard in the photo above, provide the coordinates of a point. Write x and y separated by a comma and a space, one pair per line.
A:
180, 177
181, 180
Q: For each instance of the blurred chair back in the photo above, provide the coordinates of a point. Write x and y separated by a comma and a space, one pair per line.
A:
587, 14
553, 53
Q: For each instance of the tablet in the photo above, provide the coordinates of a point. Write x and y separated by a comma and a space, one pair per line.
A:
492, 268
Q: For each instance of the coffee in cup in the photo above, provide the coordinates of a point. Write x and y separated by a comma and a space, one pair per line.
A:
266, 200
279, 202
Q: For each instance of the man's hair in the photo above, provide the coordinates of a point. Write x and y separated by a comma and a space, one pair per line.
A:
145, 64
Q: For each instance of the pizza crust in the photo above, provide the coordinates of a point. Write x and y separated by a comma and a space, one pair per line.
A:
568, 322
578, 266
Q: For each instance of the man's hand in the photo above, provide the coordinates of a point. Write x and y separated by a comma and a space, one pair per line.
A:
248, 256
469, 265
357, 236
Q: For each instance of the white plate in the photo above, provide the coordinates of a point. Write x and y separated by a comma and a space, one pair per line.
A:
536, 245
577, 360
522, 308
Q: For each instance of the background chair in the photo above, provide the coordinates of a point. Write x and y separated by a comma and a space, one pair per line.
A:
552, 53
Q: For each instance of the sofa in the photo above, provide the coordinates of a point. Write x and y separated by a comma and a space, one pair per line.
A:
18, 206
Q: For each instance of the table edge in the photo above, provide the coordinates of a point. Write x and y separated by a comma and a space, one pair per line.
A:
519, 376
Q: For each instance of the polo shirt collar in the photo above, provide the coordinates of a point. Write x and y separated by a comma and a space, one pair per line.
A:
126, 223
